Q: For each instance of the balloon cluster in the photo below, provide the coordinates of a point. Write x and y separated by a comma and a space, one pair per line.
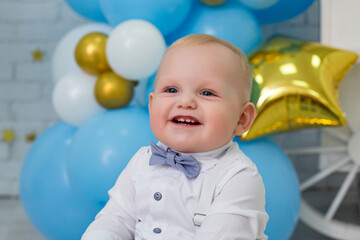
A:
108, 64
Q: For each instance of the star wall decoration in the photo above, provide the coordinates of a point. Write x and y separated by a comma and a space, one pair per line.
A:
30, 137
8, 135
37, 55
298, 85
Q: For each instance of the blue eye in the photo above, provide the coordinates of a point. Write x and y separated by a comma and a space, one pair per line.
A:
207, 93
171, 90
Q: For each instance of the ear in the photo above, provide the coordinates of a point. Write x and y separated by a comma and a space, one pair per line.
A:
151, 96
246, 118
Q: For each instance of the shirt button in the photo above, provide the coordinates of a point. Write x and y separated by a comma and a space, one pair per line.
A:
157, 196
157, 230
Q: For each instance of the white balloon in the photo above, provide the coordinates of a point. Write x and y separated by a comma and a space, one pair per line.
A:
63, 58
349, 97
134, 49
73, 98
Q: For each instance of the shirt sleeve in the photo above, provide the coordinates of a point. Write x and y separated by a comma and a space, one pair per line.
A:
117, 219
238, 211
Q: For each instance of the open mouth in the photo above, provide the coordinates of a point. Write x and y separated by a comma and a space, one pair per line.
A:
185, 120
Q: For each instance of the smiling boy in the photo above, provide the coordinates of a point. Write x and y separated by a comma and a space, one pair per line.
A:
195, 183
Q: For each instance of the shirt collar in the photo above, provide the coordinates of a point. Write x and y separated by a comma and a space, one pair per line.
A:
206, 159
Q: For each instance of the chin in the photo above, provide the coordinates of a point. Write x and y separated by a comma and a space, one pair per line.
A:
180, 146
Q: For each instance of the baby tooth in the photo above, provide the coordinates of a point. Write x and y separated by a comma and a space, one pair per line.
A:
188, 120
181, 120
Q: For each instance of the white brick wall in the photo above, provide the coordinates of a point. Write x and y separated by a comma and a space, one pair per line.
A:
7, 30
4, 110
21, 11
26, 86
10, 91
6, 70
26, 71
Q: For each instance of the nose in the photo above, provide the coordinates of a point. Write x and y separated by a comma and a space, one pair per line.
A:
187, 101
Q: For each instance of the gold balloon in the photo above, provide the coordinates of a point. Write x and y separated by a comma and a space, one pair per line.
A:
298, 85
113, 91
90, 53
213, 2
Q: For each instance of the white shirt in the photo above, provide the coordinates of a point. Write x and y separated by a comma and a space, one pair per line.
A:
159, 202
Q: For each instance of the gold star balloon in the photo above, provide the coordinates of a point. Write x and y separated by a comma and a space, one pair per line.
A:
298, 85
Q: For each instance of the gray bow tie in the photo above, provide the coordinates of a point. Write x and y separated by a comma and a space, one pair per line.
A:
185, 163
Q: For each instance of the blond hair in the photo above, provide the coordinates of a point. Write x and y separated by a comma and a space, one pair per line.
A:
194, 39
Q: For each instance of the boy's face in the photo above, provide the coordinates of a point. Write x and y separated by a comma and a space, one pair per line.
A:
197, 104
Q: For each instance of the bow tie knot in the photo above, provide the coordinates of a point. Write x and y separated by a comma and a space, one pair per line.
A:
171, 156
185, 163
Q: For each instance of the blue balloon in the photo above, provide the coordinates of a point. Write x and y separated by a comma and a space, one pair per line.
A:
45, 192
101, 149
229, 21
281, 11
164, 14
281, 186
89, 9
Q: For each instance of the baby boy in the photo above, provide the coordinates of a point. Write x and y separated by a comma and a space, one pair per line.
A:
195, 183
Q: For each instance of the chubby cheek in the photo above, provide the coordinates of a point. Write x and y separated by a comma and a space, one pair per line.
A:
154, 125
154, 118
223, 124
157, 119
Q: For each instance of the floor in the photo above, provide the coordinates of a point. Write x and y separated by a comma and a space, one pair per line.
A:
14, 224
